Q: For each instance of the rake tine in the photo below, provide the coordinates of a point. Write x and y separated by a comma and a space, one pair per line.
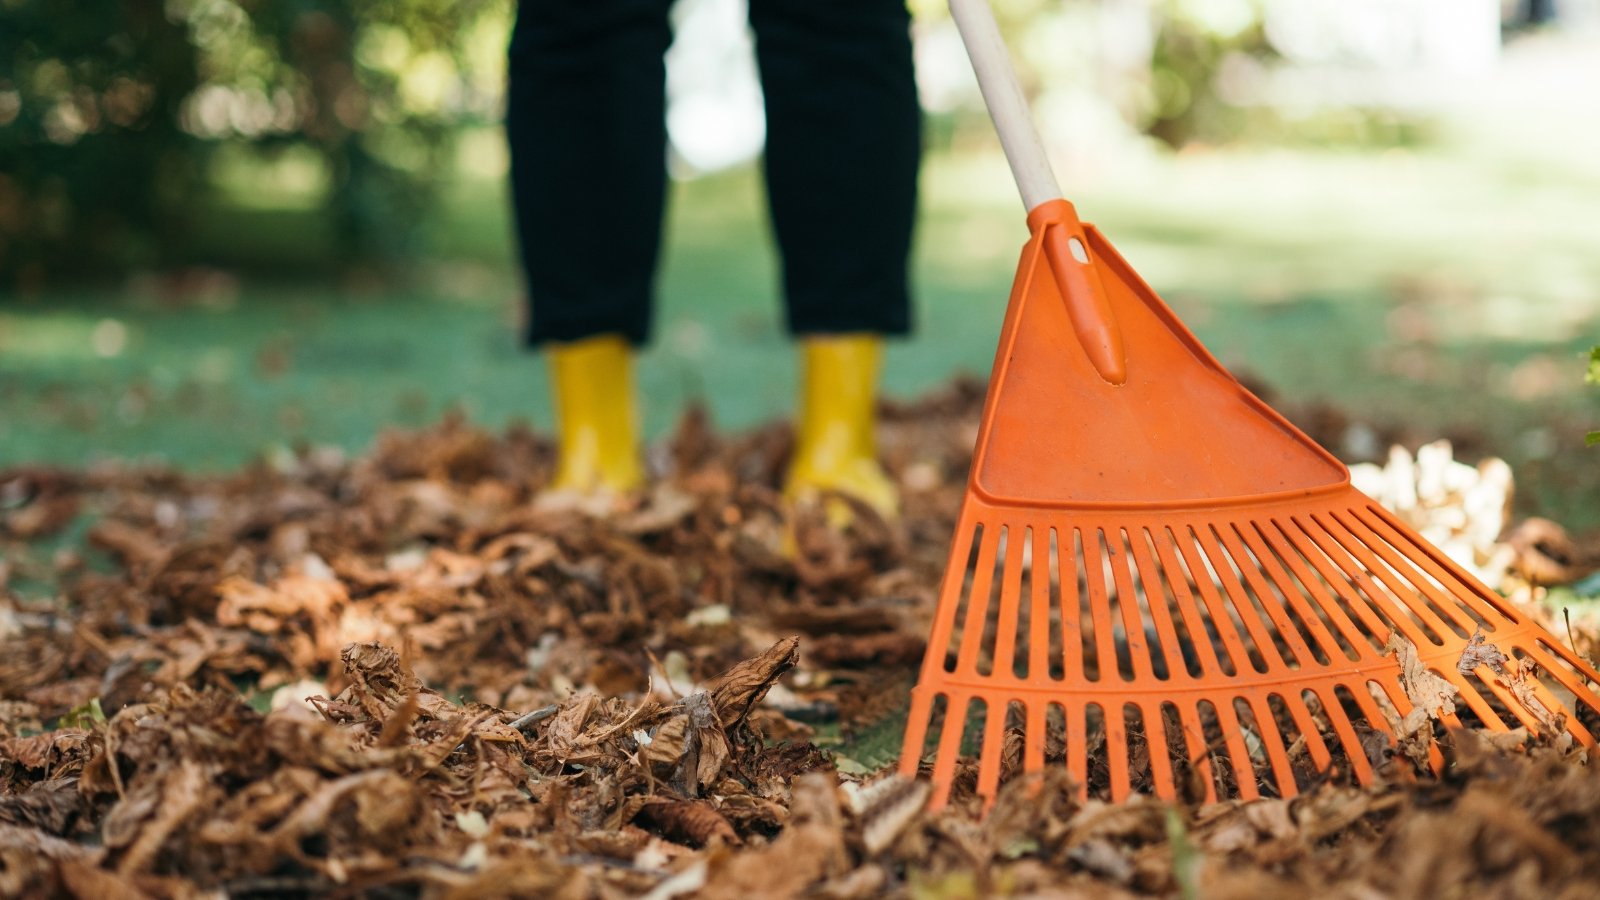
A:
1268, 601
1194, 740
1394, 695
1401, 616
1072, 661
1321, 757
1005, 633
1033, 735
1509, 700
1128, 602
978, 603
1394, 692
1260, 630
944, 759
1581, 682
1487, 603
950, 593
1039, 615
1099, 608
1280, 550
1117, 751
1346, 732
916, 736
1275, 600
1555, 706
1244, 771
1156, 599
994, 731
1155, 736
1569, 670
1076, 749
1375, 623
1404, 598
1199, 638
1444, 606
1467, 686
1272, 741
1220, 619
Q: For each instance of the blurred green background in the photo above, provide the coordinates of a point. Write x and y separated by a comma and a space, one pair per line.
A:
230, 226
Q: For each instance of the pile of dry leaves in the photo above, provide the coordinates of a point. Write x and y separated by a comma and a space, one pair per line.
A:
399, 675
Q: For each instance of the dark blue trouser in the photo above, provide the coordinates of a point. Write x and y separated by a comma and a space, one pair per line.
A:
586, 124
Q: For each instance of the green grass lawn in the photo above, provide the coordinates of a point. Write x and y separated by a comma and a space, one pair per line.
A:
1451, 288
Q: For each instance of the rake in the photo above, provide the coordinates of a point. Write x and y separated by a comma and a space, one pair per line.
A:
1161, 584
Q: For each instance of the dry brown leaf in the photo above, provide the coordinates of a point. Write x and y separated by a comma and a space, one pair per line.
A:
886, 807
566, 731
39, 751
1431, 696
667, 507
810, 849
1523, 681
1480, 653
740, 688
86, 882
705, 746
1545, 553
692, 821
183, 793
135, 546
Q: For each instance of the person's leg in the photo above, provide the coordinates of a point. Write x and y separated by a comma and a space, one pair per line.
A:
843, 146
585, 120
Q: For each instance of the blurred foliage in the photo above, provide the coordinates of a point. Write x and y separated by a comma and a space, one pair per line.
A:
1179, 71
1195, 44
93, 161
1593, 377
127, 125
1210, 56
1163, 64
111, 112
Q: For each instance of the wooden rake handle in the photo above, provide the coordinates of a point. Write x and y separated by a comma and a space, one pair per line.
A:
1064, 242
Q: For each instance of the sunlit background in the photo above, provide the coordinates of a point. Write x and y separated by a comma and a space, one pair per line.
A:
227, 228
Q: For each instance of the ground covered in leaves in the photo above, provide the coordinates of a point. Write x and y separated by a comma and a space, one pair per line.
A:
402, 675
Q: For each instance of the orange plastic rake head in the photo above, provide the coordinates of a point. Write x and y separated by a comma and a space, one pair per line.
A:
1161, 582
1157, 581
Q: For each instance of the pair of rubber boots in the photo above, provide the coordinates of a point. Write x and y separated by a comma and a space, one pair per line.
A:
835, 446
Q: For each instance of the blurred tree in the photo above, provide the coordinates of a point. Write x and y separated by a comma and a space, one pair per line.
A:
1194, 40
93, 161
110, 111
378, 88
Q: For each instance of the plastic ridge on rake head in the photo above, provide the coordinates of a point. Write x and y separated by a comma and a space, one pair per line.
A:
1163, 586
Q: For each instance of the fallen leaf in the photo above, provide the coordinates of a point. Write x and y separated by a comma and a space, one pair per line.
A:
1431, 696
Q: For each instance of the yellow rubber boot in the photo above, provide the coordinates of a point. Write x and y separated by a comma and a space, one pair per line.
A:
836, 447
591, 384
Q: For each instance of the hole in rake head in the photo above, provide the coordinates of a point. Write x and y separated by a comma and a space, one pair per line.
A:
1099, 771
1056, 655
972, 581
1214, 744
1141, 767
1256, 764
1373, 743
